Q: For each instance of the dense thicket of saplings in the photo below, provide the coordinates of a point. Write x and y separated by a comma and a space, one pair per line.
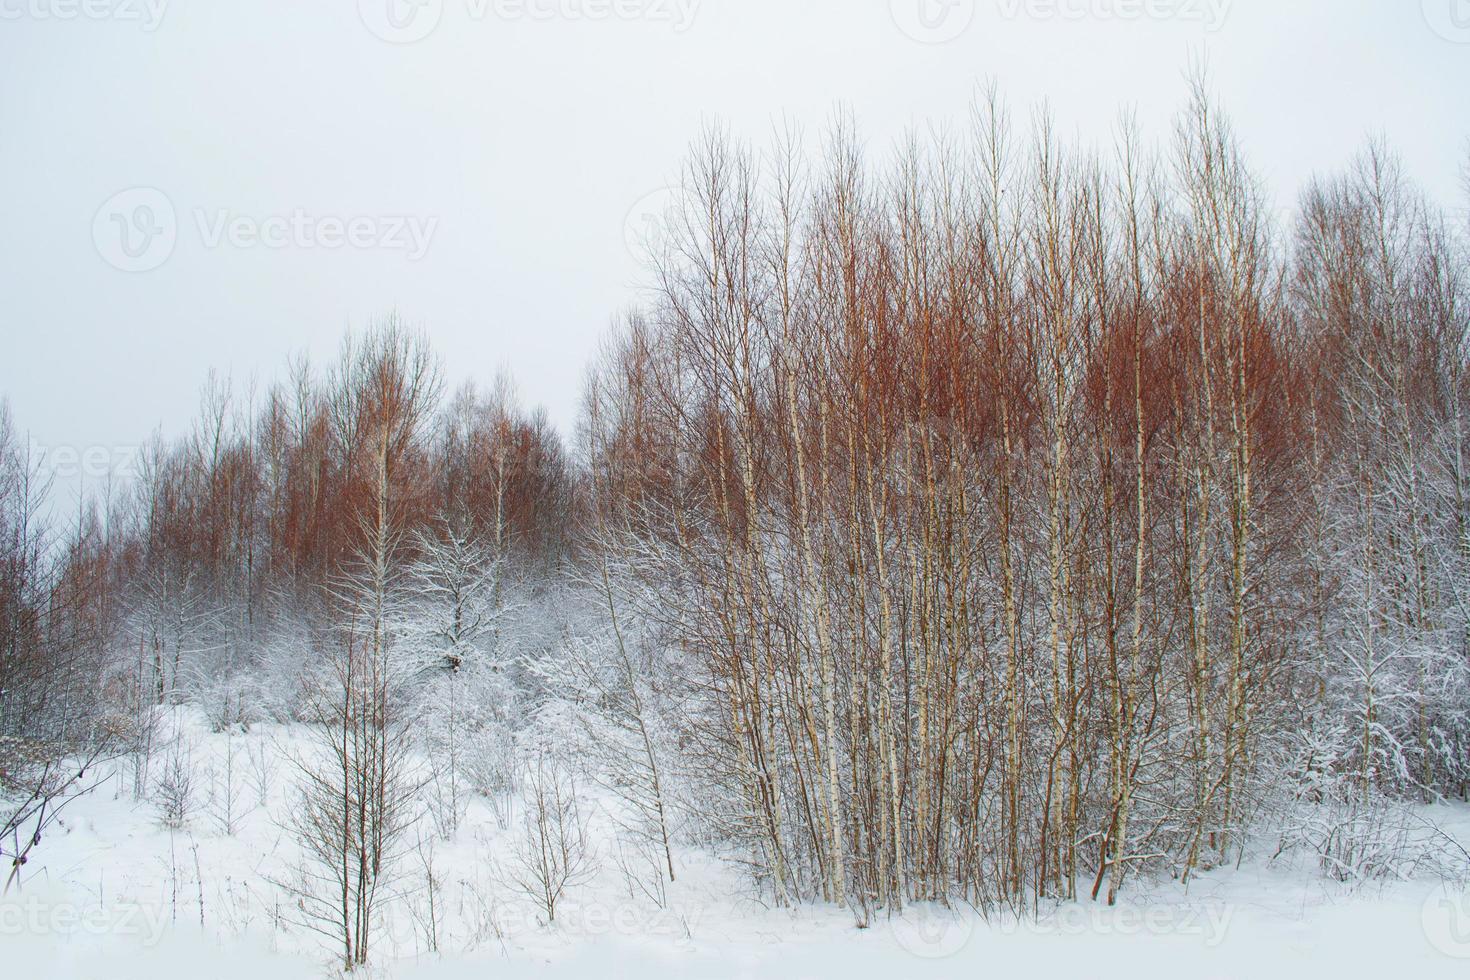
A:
992, 523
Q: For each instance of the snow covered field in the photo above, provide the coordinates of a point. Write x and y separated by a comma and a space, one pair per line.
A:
111, 893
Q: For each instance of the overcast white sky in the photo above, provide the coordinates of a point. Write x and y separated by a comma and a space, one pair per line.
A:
517, 136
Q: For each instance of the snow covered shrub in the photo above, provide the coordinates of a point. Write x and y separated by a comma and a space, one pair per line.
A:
225, 777
1347, 826
603, 706
467, 730
36, 784
263, 759
133, 719
234, 693
553, 852
456, 613
175, 791
1354, 840
426, 902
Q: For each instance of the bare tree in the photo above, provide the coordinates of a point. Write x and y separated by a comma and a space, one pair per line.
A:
358, 788
553, 852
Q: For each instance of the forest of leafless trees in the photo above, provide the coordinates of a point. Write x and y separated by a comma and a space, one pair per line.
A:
993, 522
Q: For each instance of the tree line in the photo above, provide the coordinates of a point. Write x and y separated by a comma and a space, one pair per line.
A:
992, 523
1022, 515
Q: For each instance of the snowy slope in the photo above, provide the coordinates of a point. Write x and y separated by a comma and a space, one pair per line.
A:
112, 894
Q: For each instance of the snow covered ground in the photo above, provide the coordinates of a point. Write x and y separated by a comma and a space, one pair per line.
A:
111, 893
